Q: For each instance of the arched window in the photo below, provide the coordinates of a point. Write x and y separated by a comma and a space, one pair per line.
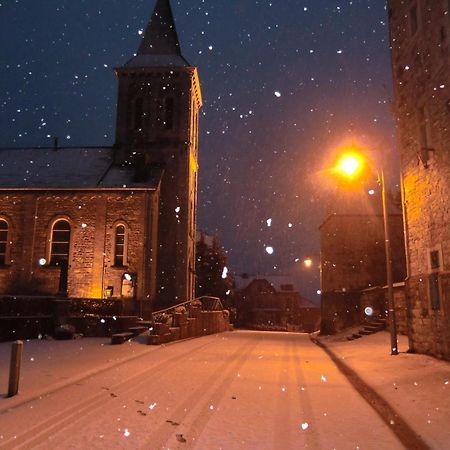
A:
3, 242
60, 243
168, 113
120, 246
138, 113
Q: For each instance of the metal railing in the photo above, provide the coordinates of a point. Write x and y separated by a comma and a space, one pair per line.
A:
207, 304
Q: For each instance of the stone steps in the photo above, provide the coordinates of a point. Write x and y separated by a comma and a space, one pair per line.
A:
137, 330
374, 326
120, 338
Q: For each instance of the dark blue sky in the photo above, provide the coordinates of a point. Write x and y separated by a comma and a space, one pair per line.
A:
285, 83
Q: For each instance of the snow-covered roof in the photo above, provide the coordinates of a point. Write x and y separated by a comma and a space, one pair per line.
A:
67, 168
279, 282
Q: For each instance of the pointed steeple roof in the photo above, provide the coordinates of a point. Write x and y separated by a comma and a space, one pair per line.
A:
160, 45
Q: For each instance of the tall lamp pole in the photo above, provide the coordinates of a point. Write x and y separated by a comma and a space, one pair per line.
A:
350, 164
390, 286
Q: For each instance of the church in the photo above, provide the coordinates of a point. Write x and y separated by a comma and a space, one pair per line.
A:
112, 222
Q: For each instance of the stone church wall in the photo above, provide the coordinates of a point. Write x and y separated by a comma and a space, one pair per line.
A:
93, 217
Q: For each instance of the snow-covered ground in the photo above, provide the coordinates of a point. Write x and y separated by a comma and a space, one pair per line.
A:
417, 386
240, 390
49, 364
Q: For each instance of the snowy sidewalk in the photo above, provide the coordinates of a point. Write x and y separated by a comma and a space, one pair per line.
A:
416, 386
51, 365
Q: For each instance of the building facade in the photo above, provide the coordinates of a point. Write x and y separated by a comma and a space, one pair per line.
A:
353, 252
353, 260
114, 222
272, 303
420, 42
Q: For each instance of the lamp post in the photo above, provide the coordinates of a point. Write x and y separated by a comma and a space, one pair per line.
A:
390, 286
349, 165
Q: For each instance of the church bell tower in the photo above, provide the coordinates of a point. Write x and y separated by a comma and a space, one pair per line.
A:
157, 124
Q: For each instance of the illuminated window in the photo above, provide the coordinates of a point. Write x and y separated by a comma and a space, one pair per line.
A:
119, 246
3, 242
60, 243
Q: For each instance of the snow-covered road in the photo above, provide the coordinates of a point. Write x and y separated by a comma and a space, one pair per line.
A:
240, 390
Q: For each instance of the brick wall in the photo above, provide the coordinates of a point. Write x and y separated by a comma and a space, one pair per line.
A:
420, 58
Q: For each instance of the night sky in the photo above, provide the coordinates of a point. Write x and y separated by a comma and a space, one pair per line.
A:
285, 83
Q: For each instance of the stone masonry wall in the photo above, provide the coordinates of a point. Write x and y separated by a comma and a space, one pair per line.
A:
93, 217
352, 252
420, 58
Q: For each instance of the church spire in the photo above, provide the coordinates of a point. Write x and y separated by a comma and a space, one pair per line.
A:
160, 37
160, 46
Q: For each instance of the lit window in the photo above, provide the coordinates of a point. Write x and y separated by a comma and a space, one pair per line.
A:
3, 242
119, 246
60, 243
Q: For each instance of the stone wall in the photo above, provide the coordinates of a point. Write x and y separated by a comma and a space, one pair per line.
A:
93, 217
377, 300
420, 57
353, 253
339, 310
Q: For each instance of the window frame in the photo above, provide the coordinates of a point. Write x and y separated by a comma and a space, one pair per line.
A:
138, 113
53, 259
5, 256
413, 19
124, 245
169, 113
434, 285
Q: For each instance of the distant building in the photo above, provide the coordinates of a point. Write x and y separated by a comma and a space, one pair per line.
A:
353, 251
271, 302
420, 41
353, 258
113, 222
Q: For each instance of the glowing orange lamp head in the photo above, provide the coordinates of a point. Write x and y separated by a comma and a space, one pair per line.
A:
350, 164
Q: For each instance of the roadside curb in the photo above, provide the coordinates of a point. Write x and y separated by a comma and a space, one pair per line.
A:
407, 435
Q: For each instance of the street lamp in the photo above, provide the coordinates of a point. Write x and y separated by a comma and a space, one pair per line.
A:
350, 165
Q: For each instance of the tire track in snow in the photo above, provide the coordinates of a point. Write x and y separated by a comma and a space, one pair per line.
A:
38, 434
306, 410
195, 418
